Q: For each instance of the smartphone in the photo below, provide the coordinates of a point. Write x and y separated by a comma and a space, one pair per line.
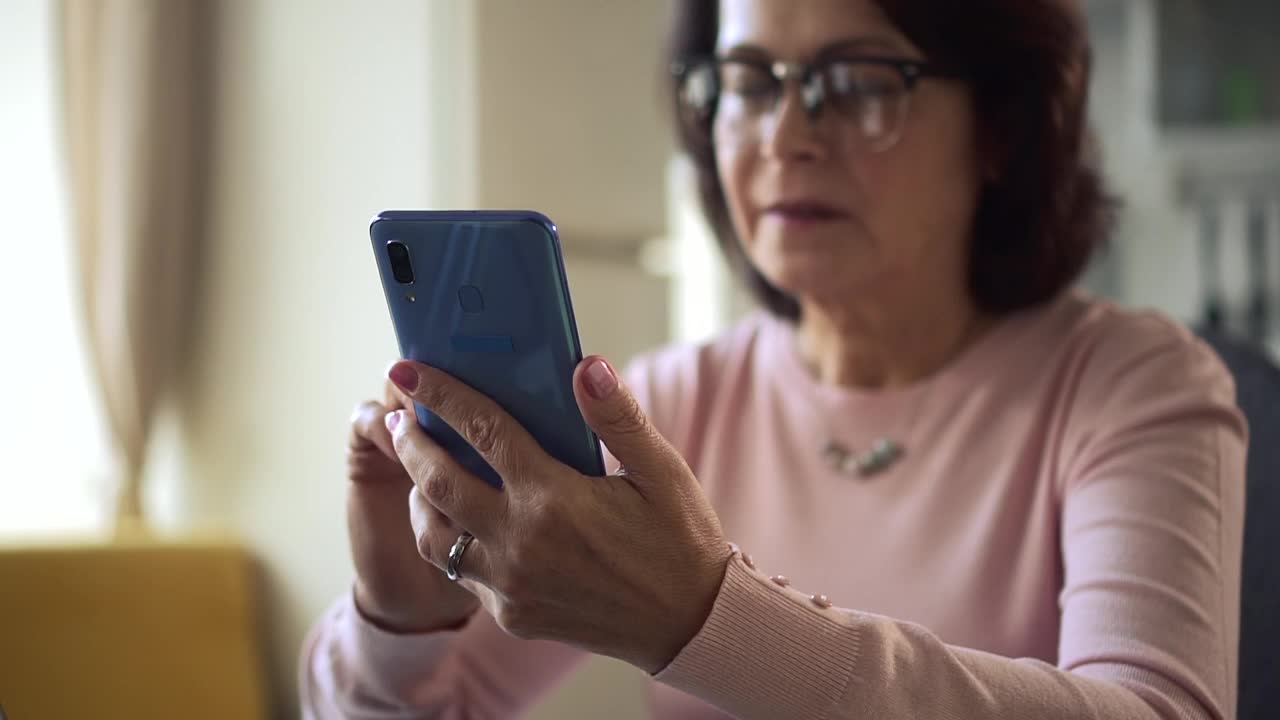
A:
483, 296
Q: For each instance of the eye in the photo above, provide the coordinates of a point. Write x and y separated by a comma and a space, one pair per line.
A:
863, 81
746, 80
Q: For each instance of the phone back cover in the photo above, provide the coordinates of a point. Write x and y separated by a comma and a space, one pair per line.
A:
490, 305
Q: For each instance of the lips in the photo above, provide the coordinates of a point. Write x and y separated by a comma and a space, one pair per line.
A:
805, 211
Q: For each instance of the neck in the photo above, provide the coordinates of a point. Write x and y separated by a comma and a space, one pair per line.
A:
886, 344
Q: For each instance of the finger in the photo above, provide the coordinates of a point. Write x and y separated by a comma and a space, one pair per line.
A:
496, 436
471, 502
369, 427
435, 535
394, 397
614, 414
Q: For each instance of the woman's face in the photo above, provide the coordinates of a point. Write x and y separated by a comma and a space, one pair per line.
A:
821, 213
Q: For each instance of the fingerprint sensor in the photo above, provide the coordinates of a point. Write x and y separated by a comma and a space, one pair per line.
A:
470, 299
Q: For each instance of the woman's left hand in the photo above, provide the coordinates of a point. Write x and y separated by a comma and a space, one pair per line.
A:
625, 565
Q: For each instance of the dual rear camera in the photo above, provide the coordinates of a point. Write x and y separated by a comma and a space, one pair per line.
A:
470, 298
401, 266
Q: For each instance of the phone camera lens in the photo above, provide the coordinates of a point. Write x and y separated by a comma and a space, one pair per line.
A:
401, 268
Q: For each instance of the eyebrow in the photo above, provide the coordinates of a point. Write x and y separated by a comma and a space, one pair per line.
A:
859, 43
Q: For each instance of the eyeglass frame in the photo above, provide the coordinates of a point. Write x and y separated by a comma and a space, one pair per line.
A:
811, 78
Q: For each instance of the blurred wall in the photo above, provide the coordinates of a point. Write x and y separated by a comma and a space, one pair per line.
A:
568, 121
326, 114
1156, 259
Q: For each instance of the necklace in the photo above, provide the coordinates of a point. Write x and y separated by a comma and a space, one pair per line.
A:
883, 453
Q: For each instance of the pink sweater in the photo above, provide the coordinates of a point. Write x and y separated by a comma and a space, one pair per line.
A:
1061, 540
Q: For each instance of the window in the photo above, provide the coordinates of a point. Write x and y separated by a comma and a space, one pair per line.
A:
52, 446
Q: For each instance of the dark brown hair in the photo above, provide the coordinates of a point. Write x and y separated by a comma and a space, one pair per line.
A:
1027, 64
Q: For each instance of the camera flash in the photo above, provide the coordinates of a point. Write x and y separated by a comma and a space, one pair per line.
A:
411, 297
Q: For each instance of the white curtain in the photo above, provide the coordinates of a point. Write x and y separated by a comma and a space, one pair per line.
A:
135, 91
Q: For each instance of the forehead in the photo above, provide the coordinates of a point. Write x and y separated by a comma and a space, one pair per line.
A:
800, 28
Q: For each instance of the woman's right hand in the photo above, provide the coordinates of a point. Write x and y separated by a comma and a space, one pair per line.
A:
395, 587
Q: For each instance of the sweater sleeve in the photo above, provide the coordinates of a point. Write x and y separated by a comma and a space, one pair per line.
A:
353, 670
1151, 490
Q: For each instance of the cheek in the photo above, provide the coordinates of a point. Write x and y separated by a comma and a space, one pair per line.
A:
886, 192
947, 158
924, 191
944, 200
734, 167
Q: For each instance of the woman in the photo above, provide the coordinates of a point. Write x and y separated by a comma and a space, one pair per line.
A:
983, 495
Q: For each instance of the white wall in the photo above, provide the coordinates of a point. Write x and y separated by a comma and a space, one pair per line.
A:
326, 114
570, 115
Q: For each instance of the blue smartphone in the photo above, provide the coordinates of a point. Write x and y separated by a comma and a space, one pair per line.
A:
483, 296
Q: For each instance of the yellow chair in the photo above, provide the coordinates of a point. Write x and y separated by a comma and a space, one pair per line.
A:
140, 629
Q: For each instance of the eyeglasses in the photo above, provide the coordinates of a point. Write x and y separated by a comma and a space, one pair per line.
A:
870, 94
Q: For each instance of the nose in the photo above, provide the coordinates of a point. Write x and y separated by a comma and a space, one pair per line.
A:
792, 132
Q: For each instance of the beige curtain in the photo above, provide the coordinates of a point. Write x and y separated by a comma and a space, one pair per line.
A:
135, 90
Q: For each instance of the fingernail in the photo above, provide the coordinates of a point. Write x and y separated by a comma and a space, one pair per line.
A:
405, 376
392, 419
600, 379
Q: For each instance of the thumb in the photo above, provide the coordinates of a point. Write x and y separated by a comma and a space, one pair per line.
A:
612, 411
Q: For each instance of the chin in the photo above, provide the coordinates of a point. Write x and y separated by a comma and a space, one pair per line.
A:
813, 279
814, 271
